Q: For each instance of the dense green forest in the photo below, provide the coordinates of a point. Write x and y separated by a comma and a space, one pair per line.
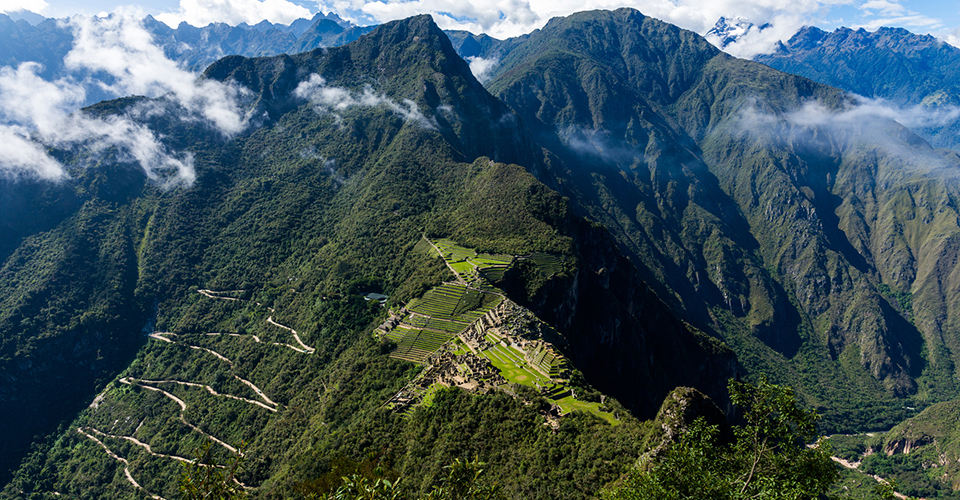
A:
627, 218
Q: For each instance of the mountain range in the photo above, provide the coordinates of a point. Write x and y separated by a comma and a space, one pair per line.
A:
671, 215
192, 48
914, 72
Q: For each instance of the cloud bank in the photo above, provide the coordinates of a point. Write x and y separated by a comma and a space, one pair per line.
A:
482, 68
327, 99
11, 6
117, 56
866, 121
203, 12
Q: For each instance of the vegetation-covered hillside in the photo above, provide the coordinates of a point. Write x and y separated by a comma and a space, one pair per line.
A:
249, 285
625, 211
757, 203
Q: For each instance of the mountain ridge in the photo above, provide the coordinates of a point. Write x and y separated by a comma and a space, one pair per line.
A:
679, 217
362, 149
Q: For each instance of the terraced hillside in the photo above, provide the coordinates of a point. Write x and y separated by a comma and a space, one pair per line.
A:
472, 336
438, 317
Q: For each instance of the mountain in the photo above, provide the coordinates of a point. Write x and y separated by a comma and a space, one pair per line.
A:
249, 284
45, 43
620, 210
893, 64
814, 247
31, 17
727, 31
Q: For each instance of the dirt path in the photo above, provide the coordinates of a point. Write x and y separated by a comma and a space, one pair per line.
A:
295, 336
211, 390
141, 444
257, 340
183, 408
228, 361
126, 464
856, 466
460, 281
213, 294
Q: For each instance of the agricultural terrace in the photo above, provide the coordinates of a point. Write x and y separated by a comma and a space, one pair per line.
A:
467, 264
438, 317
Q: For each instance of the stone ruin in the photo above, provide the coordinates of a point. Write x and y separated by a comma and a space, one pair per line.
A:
392, 321
516, 326
468, 371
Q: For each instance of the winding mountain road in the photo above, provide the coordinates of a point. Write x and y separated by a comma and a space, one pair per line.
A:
295, 335
126, 464
141, 444
183, 408
257, 390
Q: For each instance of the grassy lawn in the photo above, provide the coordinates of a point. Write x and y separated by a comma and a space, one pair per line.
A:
513, 373
462, 267
459, 348
483, 264
568, 404
455, 252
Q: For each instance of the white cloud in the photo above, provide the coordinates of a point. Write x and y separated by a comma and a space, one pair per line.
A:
327, 99
234, 12
481, 68
120, 47
11, 6
21, 156
885, 7
865, 121
118, 56
36, 114
911, 21
953, 37
864, 109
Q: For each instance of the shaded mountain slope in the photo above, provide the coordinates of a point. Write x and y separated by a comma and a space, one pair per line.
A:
764, 213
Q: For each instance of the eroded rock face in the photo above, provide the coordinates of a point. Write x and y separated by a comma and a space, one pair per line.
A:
680, 408
906, 445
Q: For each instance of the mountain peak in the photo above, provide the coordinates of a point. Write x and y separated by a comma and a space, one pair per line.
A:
730, 30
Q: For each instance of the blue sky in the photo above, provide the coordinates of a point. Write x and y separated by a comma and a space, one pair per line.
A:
503, 18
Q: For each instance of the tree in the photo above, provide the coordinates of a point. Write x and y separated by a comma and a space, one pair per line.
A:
206, 478
774, 455
460, 482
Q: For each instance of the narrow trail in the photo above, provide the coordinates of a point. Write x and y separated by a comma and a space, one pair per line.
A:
460, 280
257, 340
183, 408
141, 444
228, 361
126, 464
211, 390
212, 294
294, 332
